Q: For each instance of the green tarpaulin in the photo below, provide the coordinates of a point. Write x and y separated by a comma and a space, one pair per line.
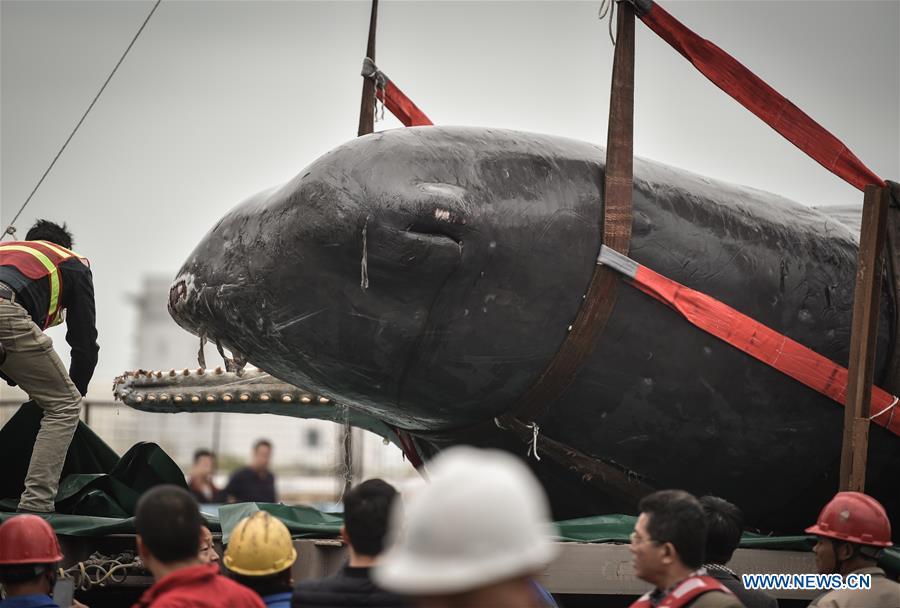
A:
95, 481
303, 522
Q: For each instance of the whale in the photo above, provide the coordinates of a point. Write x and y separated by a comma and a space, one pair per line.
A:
425, 277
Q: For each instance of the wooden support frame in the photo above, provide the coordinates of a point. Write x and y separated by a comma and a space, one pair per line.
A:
863, 339
367, 104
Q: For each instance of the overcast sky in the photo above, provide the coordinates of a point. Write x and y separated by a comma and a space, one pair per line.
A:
218, 100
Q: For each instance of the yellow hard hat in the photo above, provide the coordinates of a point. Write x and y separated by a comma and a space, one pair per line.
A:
260, 545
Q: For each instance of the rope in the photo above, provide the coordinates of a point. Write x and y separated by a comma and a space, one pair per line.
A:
11, 230
608, 7
533, 445
364, 263
345, 468
104, 569
891, 407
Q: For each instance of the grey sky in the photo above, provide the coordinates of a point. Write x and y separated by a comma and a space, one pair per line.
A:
218, 100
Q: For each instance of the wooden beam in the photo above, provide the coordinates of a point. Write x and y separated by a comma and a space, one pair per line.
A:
863, 339
367, 105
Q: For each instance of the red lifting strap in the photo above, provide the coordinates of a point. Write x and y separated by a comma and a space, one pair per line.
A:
760, 342
401, 106
393, 98
754, 94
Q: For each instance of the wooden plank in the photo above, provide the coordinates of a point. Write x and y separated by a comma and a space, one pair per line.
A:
367, 104
863, 339
586, 568
606, 569
580, 568
892, 380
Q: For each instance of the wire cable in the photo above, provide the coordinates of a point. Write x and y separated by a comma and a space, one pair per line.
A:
11, 229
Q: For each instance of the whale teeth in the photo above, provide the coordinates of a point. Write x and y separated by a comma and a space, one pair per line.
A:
200, 371
186, 372
195, 399
210, 398
159, 374
244, 397
286, 398
323, 400
227, 397
164, 397
138, 399
151, 397
305, 399
171, 372
178, 399
264, 397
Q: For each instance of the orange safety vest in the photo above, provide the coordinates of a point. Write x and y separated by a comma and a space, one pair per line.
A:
39, 259
684, 592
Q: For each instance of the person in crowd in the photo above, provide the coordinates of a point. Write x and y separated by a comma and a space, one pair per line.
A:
725, 523
475, 536
207, 553
254, 483
42, 284
168, 525
853, 528
200, 480
259, 556
667, 549
366, 512
29, 557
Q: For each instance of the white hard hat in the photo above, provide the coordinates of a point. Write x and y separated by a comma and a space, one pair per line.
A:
482, 519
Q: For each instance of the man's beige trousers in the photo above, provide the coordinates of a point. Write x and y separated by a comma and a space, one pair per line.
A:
33, 364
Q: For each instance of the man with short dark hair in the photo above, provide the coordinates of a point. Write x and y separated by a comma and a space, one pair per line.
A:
254, 483
168, 526
725, 524
200, 481
367, 509
41, 283
667, 548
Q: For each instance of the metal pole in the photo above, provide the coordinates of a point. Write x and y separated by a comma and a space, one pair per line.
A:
863, 339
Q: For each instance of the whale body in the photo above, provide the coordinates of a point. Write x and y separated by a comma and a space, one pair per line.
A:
427, 276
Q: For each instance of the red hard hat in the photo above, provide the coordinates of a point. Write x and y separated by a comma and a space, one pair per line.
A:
28, 539
854, 517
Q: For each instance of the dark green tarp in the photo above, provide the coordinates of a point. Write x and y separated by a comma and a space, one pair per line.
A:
303, 522
95, 481
616, 529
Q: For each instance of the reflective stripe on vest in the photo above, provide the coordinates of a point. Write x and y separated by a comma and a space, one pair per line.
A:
48, 268
684, 593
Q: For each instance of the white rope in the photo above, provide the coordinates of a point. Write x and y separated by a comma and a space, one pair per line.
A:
891, 406
533, 445
105, 569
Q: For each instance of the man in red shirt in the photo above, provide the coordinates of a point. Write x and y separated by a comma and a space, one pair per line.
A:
168, 523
